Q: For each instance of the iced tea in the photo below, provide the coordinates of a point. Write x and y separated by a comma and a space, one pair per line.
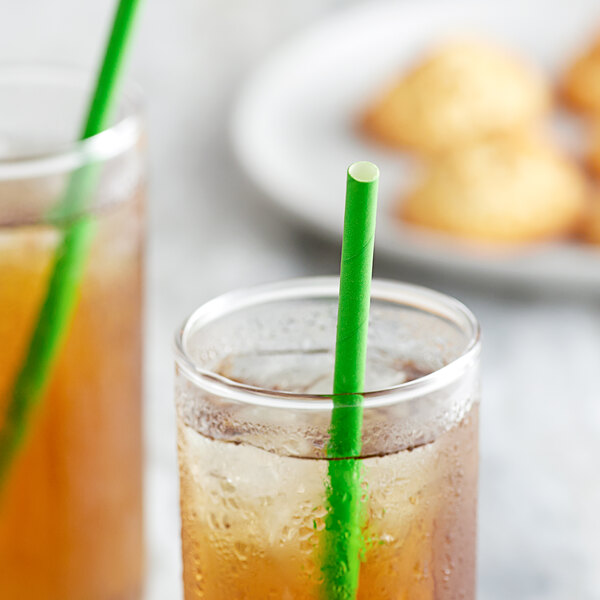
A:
253, 376
71, 508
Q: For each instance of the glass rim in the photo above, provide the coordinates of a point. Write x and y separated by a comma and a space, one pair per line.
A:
405, 294
112, 141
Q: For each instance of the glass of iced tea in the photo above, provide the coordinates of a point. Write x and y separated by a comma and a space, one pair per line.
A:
71, 498
254, 374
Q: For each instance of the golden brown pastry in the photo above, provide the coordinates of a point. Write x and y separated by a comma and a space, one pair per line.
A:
500, 190
581, 83
462, 92
590, 223
593, 153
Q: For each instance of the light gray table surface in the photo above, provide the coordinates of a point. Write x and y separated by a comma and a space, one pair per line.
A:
210, 231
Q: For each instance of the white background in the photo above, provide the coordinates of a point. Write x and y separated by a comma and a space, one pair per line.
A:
209, 232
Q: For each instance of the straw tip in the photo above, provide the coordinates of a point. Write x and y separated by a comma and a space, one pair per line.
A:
364, 171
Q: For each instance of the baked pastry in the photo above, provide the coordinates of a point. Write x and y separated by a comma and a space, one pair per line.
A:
462, 92
501, 190
581, 82
589, 229
593, 152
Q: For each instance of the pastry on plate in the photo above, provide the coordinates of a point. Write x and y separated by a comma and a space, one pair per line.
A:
593, 152
462, 92
581, 82
590, 223
500, 190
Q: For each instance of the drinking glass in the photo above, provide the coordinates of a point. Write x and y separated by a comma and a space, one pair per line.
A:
71, 497
254, 377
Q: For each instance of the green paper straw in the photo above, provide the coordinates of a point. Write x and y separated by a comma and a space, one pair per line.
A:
342, 535
69, 260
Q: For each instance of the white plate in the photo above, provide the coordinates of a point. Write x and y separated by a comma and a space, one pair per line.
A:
294, 134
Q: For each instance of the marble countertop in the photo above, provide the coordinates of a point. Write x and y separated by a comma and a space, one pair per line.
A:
539, 531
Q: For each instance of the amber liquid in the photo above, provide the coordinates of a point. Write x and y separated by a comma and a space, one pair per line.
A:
251, 520
71, 512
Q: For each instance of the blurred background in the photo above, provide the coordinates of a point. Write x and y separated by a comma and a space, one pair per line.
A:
215, 225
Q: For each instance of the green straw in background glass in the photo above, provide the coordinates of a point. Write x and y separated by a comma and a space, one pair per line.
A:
342, 535
69, 260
